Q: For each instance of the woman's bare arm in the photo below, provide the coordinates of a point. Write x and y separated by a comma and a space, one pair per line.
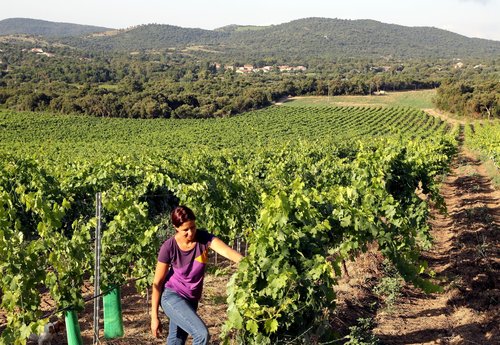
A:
223, 249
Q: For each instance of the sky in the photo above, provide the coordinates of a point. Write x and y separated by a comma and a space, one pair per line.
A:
472, 18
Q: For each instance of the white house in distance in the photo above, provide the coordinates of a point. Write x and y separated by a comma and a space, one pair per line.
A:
247, 68
39, 51
286, 68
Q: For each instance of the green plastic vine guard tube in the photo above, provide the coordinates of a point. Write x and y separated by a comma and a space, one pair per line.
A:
73, 328
113, 321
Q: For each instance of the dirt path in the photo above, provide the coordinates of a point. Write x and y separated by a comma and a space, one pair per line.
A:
466, 260
283, 100
444, 116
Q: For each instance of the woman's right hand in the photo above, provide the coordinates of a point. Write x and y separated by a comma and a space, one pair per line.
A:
155, 327
160, 274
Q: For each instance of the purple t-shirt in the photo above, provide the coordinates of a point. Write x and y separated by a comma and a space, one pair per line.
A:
187, 268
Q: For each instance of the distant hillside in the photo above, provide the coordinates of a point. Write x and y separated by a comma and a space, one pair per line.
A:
304, 38
300, 40
45, 28
152, 36
336, 37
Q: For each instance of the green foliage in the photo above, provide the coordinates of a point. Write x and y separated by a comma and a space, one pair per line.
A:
389, 287
475, 96
63, 138
302, 206
165, 83
361, 334
485, 138
285, 284
389, 290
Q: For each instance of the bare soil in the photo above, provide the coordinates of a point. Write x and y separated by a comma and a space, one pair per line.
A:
445, 116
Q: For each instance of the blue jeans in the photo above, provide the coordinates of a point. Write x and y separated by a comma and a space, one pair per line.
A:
183, 319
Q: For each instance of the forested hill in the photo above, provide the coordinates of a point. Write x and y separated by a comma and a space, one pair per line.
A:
45, 28
301, 39
151, 36
334, 37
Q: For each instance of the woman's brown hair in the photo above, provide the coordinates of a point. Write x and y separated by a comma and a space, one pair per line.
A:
181, 214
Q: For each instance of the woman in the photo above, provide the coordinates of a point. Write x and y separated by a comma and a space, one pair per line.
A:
179, 273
